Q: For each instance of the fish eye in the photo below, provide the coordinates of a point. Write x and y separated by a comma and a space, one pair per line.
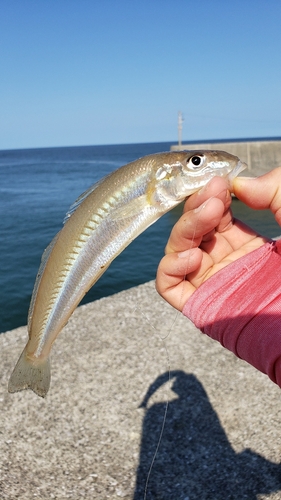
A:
196, 161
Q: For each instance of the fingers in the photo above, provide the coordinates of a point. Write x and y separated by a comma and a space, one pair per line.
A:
192, 226
262, 192
216, 188
170, 279
203, 211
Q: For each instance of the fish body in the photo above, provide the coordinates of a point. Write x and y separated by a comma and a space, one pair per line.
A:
97, 228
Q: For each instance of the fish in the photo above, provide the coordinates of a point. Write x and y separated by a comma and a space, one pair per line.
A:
99, 225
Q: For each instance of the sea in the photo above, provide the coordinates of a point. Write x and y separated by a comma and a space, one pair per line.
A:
37, 186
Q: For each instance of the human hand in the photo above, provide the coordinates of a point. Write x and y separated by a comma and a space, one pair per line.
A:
207, 238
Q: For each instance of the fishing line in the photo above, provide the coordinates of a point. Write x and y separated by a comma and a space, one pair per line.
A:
163, 340
166, 404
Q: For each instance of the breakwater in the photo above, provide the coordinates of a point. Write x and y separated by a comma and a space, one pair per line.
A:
260, 155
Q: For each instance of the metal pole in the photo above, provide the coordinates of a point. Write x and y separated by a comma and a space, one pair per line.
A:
180, 120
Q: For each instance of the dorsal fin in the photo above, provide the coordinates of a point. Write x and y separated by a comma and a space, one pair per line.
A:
81, 198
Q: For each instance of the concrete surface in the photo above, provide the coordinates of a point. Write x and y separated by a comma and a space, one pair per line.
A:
260, 156
91, 439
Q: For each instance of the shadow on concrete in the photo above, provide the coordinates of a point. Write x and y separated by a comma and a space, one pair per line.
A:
195, 459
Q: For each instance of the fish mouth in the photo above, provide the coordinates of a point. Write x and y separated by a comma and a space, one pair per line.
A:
216, 169
241, 165
222, 168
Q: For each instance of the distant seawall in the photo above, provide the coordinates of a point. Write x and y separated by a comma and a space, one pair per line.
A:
260, 155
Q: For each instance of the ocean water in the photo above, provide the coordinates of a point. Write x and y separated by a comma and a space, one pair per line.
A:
37, 186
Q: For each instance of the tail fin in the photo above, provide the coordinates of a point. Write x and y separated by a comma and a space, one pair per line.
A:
29, 375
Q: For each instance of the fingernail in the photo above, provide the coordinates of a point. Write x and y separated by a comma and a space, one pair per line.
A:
250, 178
242, 178
186, 253
198, 209
204, 188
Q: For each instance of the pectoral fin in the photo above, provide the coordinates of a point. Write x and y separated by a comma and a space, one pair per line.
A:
130, 209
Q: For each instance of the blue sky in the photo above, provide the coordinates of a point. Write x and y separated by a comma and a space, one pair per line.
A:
79, 72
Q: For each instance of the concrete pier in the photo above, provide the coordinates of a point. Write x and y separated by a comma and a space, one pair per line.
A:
95, 434
260, 155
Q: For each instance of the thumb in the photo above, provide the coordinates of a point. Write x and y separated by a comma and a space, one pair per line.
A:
261, 192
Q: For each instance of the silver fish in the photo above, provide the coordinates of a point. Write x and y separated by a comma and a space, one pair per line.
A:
97, 228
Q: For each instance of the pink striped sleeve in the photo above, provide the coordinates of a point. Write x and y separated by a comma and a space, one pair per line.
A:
240, 307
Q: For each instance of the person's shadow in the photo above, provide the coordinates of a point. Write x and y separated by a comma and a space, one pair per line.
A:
195, 460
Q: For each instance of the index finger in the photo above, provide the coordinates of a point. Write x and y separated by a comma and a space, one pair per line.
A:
188, 232
203, 211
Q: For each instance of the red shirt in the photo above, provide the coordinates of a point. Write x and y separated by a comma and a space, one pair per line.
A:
240, 306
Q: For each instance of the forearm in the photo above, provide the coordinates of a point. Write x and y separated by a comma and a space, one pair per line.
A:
240, 306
